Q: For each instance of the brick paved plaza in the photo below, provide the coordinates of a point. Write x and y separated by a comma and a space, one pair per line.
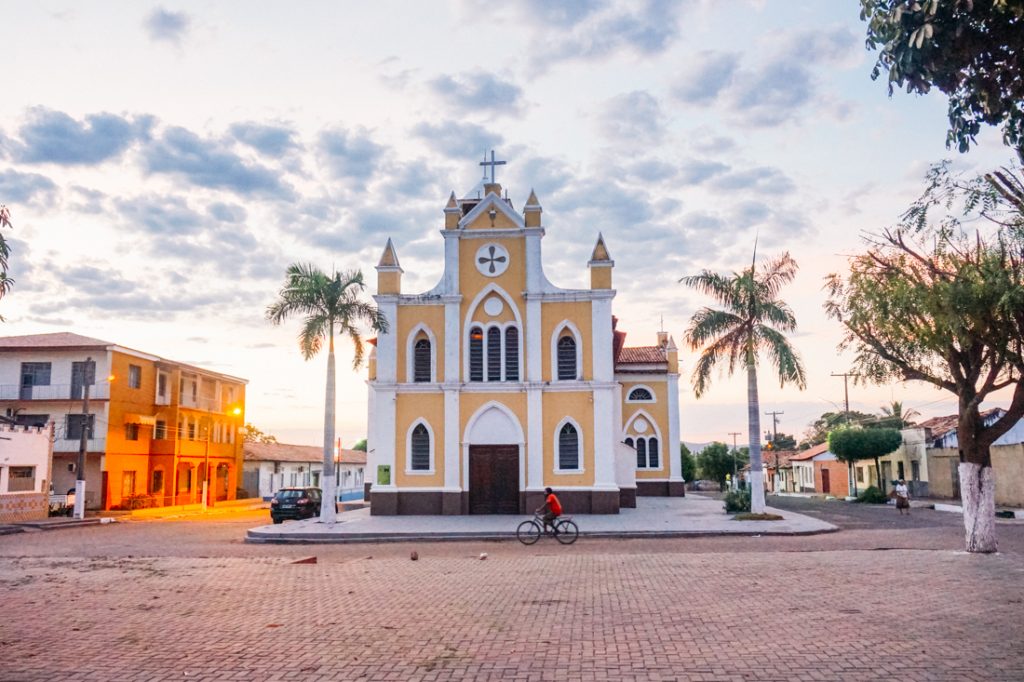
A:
186, 600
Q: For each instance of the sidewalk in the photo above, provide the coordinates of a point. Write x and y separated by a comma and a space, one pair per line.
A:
653, 517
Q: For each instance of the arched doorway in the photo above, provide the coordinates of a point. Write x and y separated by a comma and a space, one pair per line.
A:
222, 479
494, 462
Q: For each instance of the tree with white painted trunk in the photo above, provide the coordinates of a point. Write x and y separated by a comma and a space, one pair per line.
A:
752, 322
939, 298
327, 303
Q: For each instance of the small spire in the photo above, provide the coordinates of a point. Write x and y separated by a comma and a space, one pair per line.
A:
600, 250
532, 201
452, 203
672, 344
389, 259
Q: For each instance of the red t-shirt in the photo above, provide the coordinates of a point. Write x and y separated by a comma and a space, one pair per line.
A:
554, 506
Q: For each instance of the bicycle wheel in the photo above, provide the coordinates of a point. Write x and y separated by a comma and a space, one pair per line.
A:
567, 532
528, 532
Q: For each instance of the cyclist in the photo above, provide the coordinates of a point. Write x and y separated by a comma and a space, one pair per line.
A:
552, 509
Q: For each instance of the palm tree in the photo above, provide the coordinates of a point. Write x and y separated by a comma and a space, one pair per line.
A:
327, 303
753, 320
896, 415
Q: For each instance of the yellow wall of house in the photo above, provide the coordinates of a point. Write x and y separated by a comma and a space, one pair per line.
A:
409, 408
579, 406
409, 316
579, 314
658, 412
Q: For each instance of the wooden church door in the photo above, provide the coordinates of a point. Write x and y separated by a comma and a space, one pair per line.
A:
494, 479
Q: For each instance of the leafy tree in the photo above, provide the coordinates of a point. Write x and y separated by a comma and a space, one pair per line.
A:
251, 434
781, 441
327, 303
715, 462
360, 446
689, 464
827, 422
854, 444
971, 50
930, 301
753, 321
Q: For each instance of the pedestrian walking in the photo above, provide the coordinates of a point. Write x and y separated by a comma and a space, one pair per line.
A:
902, 497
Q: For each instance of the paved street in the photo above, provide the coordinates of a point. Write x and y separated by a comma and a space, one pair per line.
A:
188, 600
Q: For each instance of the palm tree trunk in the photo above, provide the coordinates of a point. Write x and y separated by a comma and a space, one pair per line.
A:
754, 429
329, 508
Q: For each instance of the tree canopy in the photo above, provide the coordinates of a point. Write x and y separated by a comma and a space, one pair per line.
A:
715, 462
855, 444
361, 446
5, 252
829, 421
971, 50
689, 464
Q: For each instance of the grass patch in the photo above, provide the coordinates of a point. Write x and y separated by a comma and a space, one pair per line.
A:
748, 516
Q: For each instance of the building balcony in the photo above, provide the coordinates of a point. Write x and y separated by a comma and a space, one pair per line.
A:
202, 404
53, 392
65, 445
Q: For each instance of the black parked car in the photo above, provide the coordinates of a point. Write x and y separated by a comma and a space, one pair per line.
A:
295, 503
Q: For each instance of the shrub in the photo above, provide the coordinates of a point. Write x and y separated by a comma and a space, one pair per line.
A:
757, 517
872, 495
138, 501
737, 501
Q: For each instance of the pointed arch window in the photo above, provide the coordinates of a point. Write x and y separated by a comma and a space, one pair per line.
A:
567, 370
419, 456
476, 354
641, 453
421, 361
494, 354
648, 454
568, 447
511, 354
652, 453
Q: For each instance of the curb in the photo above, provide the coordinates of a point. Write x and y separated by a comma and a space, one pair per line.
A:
63, 525
278, 538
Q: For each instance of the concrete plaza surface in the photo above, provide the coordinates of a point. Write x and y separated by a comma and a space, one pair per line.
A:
653, 517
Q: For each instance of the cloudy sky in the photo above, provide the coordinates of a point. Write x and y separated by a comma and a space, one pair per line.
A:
165, 163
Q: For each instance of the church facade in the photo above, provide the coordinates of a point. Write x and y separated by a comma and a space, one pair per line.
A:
496, 383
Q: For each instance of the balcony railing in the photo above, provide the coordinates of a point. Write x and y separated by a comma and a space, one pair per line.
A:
72, 445
201, 403
53, 392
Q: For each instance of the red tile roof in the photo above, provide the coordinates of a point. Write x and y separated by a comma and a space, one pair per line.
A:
810, 452
940, 426
285, 452
641, 355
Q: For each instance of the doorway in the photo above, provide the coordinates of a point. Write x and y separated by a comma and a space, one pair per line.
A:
826, 486
494, 479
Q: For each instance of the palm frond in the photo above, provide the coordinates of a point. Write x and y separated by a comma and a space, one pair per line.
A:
718, 287
707, 324
777, 272
783, 356
311, 339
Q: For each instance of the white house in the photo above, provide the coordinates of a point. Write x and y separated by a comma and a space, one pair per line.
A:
268, 467
25, 457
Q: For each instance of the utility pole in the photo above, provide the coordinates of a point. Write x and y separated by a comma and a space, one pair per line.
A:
206, 471
734, 434
775, 448
846, 391
88, 376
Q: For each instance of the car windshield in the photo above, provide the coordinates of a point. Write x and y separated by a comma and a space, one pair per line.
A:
289, 494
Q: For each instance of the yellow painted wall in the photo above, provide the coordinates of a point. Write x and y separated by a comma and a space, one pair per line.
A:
483, 222
579, 406
409, 408
579, 314
658, 412
409, 316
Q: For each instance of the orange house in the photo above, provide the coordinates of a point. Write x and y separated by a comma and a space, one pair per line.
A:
158, 430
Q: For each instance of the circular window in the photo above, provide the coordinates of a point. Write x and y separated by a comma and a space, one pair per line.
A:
640, 426
493, 306
492, 260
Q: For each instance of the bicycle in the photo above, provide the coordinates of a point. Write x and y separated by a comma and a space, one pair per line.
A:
564, 530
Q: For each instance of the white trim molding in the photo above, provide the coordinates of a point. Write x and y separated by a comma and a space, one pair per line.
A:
646, 436
580, 468
410, 354
574, 330
649, 390
408, 449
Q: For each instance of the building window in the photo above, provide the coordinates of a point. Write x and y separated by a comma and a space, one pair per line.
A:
629, 442
161, 385
568, 448
567, 358
420, 449
915, 471
640, 394
82, 374
641, 453
511, 354
32, 419
494, 354
134, 376
131, 431
653, 455
476, 354
191, 429
74, 424
21, 480
860, 474
158, 482
33, 374
421, 361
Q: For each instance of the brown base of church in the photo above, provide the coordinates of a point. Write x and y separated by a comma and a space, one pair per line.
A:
627, 498
454, 504
366, 492
660, 489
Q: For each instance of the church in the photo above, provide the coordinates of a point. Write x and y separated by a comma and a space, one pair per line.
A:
496, 383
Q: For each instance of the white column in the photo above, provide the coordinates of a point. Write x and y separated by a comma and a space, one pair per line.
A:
450, 280
535, 438
604, 438
452, 340
601, 338
675, 468
452, 451
387, 343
